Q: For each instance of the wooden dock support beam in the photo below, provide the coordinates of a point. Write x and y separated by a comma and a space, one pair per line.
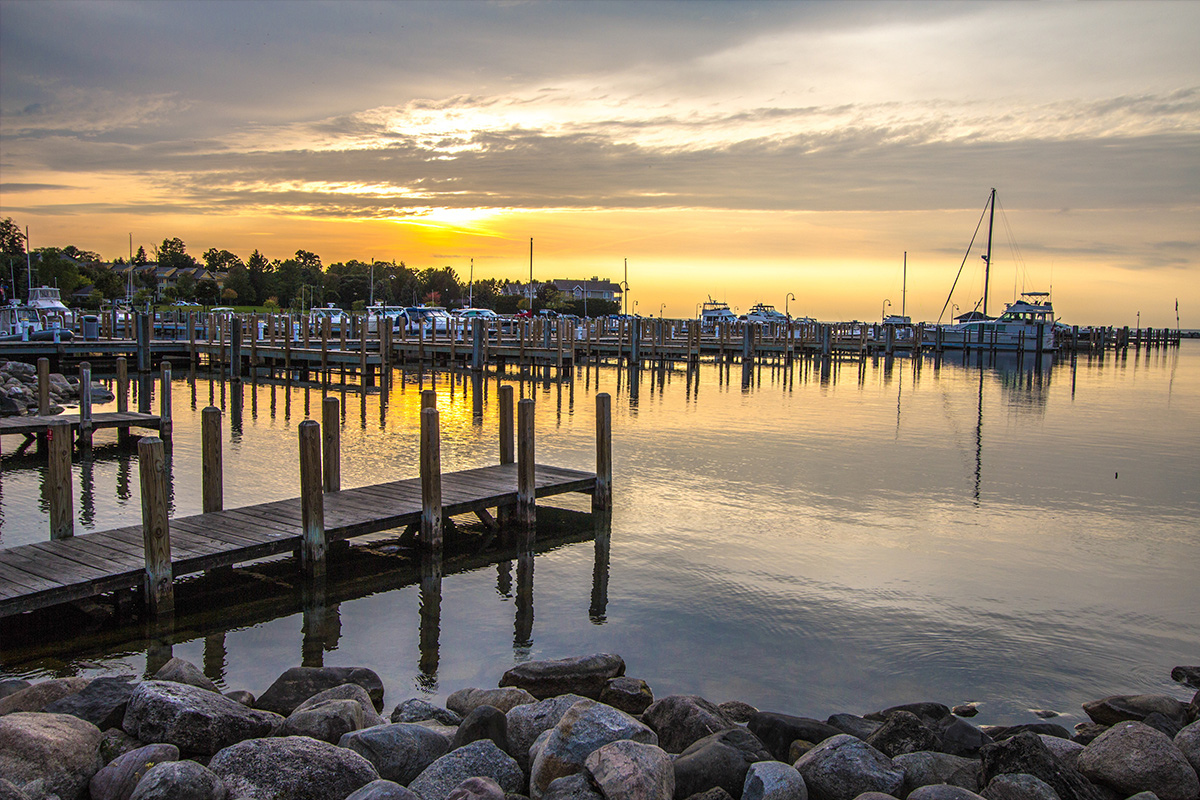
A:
156, 534
58, 479
164, 401
331, 440
85, 404
235, 348
312, 501
123, 434
602, 495
431, 480
526, 486
212, 468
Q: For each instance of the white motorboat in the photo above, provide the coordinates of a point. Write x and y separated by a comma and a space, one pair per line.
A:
713, 312
765, 315
428, 318
47, 303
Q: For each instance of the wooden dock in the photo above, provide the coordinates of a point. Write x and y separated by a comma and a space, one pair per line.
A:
31, 426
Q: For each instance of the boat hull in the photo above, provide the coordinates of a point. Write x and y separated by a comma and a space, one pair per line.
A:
992, 336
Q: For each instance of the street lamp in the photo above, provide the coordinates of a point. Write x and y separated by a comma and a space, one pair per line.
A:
954, 312
790, 296
635, 302
883, 311
661, 306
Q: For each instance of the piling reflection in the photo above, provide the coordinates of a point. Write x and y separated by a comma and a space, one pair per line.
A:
430, 621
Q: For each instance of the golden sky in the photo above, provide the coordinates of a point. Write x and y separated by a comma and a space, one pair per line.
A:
746, 150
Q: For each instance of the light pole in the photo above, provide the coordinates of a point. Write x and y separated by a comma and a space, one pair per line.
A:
954, 312
790, 296
883, 311
635, 302
1139, 320
661, 306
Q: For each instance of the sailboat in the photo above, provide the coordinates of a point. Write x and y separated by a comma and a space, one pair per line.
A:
1025, 325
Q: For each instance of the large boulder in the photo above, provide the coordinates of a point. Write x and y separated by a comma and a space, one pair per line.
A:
1064, 750
860, 727
117, 779
583, 675
347, 691
585, 727
464, 701
927, 712
327, 720
928, 769
631, 695
773, 780
526, 722
903, 732
1132, 757
1119, 708
959, 737
720, 759
1188, 742
1188, 676
102, 702
626, 769
999, 733
382, 790
843, 767
1018, 786
12, 686
478, 789
681, 719
417, 709
194, 720
941, 791
400, 751
180, 671
485, 722
572, 787
778, 731
60, 750
41, 694
298, 684
292, 767
1025, 753
179, 780
480, 759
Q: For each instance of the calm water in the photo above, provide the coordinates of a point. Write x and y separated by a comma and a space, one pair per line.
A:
806, 542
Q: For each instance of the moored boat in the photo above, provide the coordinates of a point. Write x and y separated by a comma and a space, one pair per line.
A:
713, 312
764, 314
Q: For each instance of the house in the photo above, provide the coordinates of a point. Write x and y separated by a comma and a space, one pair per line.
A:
577, 289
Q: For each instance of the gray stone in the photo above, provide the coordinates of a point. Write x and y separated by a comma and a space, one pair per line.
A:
778, 731
1086, 732
903, 732
477, 789
382, 790
681, 719
400, 751
1163, 723
1119, 708
1064, 750
1189, 676
179, 780
292, 767
572, 787
10, 791
927, 712
773, 780
41, 694
859, 727
528, 721
926, 769
117, 779
102, 702
1001, 732
586, 726
347, 691
242, 696
180, 671
327, 720
626, 770
631, 695
959, 737
942, 791
298, 684
719, 759
417, 709
1133, 757
1025, 753
194, 720
843, 767
1188, 742
481, 759
874, 796
1019, 786
116, 742
60, 750
12, 686
715, 793
485, 722
965, 710
583, 675
736, 711
464, 701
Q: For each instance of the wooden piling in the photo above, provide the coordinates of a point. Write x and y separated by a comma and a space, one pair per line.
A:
331, 439
164, 401
312, 501
212, 467
526, 490
123, 434
431, 481
43, 376
602, 495
85, 404
156, 534
235, 349
428, 399
508, 452
58, 479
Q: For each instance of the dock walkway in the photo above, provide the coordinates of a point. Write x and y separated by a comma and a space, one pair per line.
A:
31, 426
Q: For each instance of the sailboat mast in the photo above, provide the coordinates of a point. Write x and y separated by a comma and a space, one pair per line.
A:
987, 260
904, 284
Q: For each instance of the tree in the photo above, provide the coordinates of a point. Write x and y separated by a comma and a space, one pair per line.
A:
220, 260
441, 286
12, 238
172, 254
139, 258
207, 292
53, 269
261, 276
238, 281
185, 287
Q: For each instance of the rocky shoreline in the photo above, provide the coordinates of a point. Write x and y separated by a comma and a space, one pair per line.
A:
571, 729
19, 390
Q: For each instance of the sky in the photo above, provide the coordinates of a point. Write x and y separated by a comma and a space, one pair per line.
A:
785, 153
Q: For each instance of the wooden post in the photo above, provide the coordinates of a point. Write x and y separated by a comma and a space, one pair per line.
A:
58, 479
602, 496
362, 351
526, 487
331, 439
123, 435
85, 404
428, 399
312, 501
235, 349
212, 478
431, 480
43, 373
508, 453
253, 343
477, 340
156, 534
164, 401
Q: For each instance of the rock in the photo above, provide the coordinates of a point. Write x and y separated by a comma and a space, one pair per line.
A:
292, 767
115, 742
400, 751
903, 732
1189, 676
445, 731
182, 671
926, 769
61, 750
679, 720
298, 684
582, 675
118, 779
1026, 753
1044, 713
40, 695
773, 780
102, 702
347, 691
328, 720
485, 722
480, 759
843, 767
1064, 750
464, 701
941, 791
719, 759
929, 713
778, 731
417, 709
586, 726
715, 793
526, 722
631, 695
1018, 786
959, 737
9, 791
874, 796
11, 686
572, 787
382, 790
477, 789
965, 710
736, 711
194, 720
1188, 742
241, 696
1085, 732
859, 727
1133, 757
1163, 723
798, 748
179, 780
626, 770
1001, 732
1119, 708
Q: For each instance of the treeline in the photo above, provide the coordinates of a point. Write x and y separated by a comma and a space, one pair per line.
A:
301, 281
